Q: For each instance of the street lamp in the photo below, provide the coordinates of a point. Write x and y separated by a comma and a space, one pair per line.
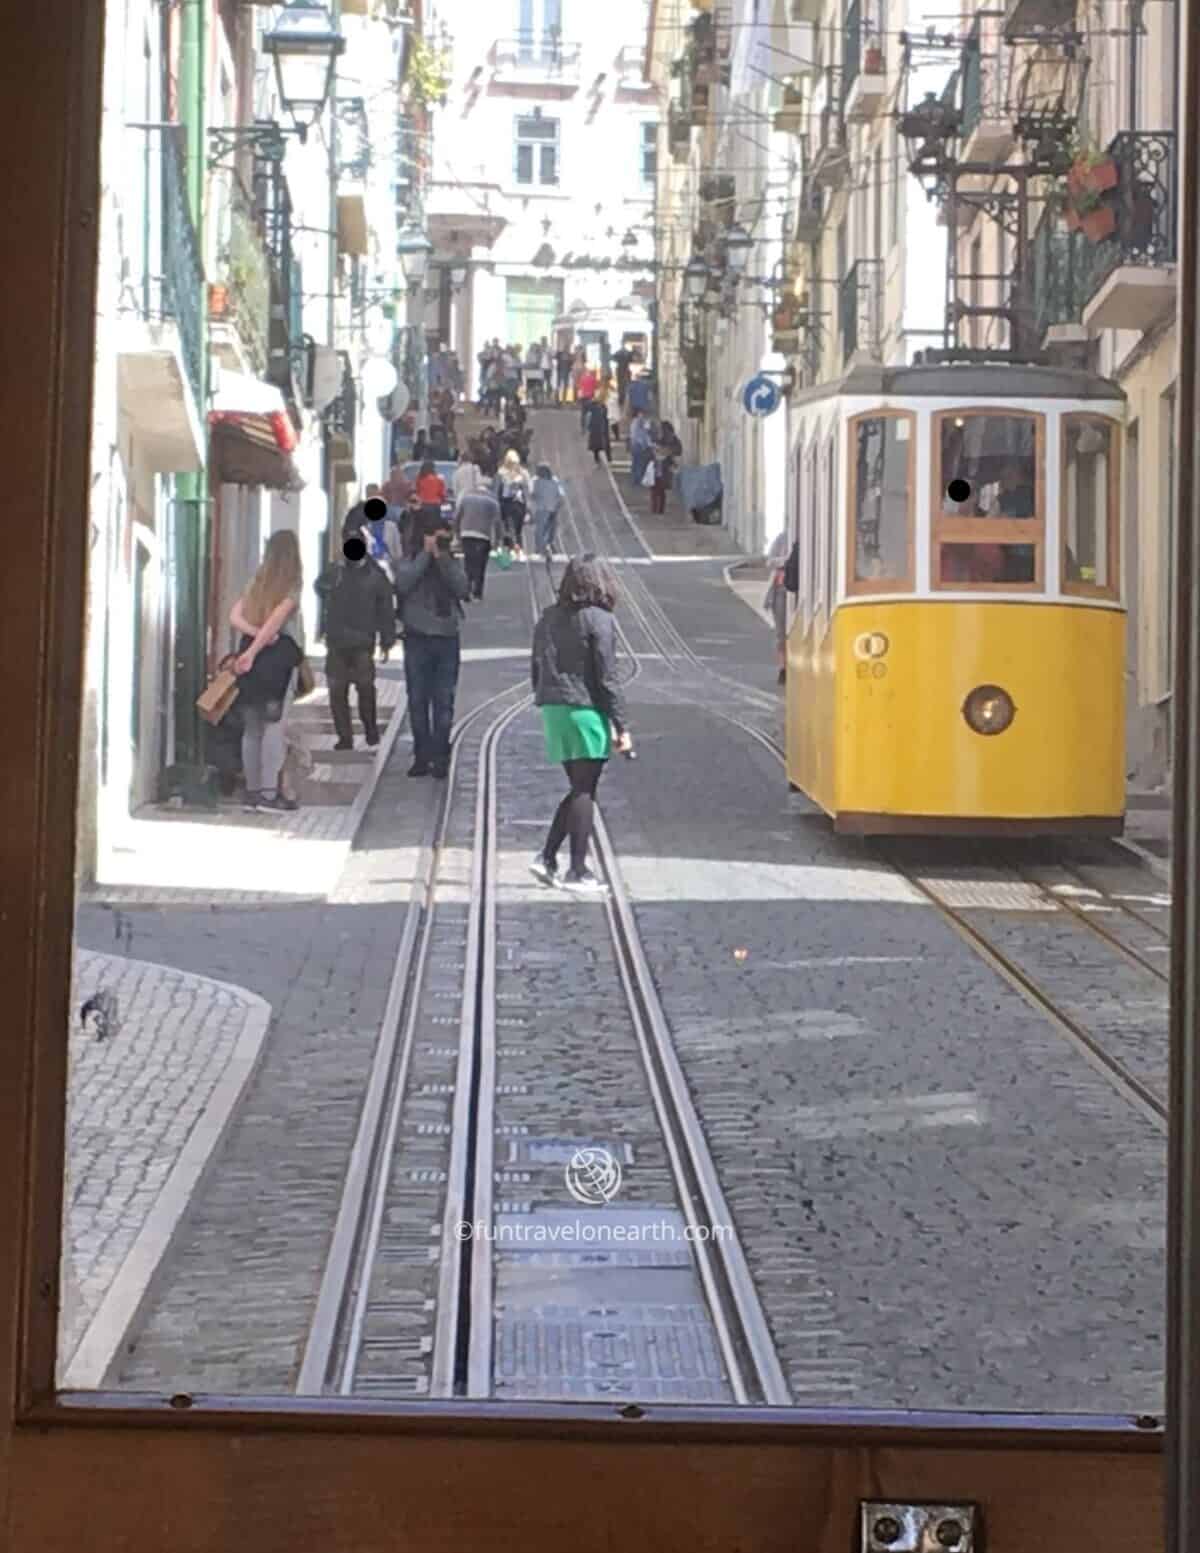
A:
305, 45
738, 244
695, 278
414, 248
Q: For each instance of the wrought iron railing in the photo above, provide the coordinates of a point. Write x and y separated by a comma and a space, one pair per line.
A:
545, 53
341, 414
273, 204
852, 46
860, 308
1144, 203
183, 267
354, 139
981, 83
1060, 266
245, 272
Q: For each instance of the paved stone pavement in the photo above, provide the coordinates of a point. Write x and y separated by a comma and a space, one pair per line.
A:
148, 1100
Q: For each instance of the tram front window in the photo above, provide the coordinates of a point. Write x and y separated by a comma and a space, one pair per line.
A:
991, 479
988, 563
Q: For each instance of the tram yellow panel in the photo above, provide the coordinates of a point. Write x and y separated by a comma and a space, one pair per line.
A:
885, 735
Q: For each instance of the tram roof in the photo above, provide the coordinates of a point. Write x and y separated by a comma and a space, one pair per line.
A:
974, 380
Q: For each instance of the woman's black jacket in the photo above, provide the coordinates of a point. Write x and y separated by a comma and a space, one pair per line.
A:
574, 661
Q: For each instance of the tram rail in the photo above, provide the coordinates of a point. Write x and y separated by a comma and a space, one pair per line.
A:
460, 1344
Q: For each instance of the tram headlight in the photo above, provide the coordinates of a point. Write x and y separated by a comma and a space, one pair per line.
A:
871, 644
988, 709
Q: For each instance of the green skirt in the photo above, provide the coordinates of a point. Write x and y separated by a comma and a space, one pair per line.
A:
575, 733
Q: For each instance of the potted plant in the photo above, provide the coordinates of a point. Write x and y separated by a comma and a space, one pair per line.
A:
1089, 196
1092, 172
873, 59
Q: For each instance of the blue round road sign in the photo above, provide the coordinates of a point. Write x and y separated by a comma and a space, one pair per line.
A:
761, 395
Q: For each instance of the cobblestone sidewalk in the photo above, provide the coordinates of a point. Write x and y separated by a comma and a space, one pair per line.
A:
254, 858
148, 1102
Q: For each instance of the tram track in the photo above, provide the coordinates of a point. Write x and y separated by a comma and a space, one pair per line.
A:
369, 1338
1148, 1098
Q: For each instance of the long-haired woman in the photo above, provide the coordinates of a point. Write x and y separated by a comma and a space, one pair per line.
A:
574, 671
271, 649
514, 499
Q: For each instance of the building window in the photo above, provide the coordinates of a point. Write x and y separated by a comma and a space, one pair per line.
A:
649, 156
539, 29
537, 151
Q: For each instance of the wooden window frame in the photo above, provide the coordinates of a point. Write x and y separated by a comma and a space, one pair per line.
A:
1090, 590
855, 587
949, 530
811, 549
824, 532
280, 1473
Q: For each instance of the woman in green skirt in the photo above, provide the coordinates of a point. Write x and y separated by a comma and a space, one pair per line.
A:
575, 684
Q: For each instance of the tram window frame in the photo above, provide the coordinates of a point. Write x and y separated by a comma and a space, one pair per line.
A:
1080, 588
832, 528
855, 586
949, 529
810, 547
795, 534
824, 517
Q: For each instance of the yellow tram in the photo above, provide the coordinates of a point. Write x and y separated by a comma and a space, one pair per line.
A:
956, 648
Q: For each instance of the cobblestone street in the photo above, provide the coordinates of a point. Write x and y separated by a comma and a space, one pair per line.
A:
941, 1203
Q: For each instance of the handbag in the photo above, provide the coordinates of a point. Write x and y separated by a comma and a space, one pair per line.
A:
306, 680
648, 475
504, 559
218, 695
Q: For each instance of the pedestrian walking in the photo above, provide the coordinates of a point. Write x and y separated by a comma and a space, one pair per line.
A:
431, 489
545, 501
466, 476
585, 389
480, 525
775, 602
562, 374
355, 521
358, 612
575, 684
431, 588
270, 650
641, 446
622, 361
514, 499
599, 439
667, 450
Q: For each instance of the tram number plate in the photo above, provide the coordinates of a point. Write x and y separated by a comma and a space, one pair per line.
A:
872, 670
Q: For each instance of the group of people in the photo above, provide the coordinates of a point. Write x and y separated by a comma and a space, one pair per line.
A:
573, 663
504, 370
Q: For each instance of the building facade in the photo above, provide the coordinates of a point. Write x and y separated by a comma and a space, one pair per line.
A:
790, 123
541, 173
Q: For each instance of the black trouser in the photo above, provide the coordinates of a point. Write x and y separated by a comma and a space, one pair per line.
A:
585, 406
475, 561
431, 676
576, 813
346, 666
513, 514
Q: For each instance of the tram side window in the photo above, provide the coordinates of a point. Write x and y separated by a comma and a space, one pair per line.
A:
989, 477
1089, 507
882, 500
814, 525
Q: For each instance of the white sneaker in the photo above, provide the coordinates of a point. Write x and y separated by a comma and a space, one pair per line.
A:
585, 883
541, 869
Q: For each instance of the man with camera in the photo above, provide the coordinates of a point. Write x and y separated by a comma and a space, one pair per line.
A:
430, 589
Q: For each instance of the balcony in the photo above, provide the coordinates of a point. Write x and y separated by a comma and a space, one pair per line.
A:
1133, 270
273, 205
864, 87
810, 208
1038, 20
239, 300
860, 311
530, 60
1060, 268
161, 353
679, 132
987, 126
340, 417
631, 69
831, 154
790, 115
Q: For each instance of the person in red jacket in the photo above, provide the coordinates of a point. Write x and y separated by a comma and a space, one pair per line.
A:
586, 391
431, 489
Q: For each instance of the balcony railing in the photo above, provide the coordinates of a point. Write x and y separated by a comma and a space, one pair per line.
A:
273, 205
982, 85
1144, 204
340, 418
1060, 264
852, 46
244, 270
183, 267
860, 309
631, 67
544, 57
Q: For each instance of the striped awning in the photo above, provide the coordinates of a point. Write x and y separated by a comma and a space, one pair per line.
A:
253, 437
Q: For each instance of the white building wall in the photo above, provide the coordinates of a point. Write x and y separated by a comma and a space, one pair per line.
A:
599, 194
